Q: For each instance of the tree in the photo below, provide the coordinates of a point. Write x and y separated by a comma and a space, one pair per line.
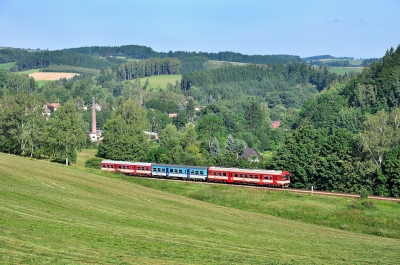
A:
64, 134
391, 169
230, 144
209, 126
238, 147
190, 108
214, 147
180, 120
381, 132
21, 124
253, 115
299, 155
133, 114
123, 142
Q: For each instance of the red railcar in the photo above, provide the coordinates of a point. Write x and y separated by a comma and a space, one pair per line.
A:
262, 177
130, 168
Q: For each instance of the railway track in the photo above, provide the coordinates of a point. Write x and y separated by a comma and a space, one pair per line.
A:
300, 191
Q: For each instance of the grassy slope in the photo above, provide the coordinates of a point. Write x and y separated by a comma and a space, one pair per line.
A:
51, 214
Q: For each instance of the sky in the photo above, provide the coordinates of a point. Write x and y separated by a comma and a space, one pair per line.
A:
351, 28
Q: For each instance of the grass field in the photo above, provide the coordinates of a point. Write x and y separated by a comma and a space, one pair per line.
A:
220, 63
6, 66
360, 216
53, 214
31, 71
161, 81
343, 70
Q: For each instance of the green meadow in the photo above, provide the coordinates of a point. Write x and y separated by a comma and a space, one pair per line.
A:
160, 81
345, 70
53, 214
6, 66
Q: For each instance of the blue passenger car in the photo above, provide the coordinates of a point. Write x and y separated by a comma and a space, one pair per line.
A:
179, 171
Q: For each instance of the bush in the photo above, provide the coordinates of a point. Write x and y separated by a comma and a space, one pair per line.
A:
364, 193
93, 162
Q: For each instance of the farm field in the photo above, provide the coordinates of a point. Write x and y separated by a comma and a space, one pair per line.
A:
160, 81
51, 75
53, 214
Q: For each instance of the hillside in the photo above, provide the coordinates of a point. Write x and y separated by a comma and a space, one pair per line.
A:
51, 214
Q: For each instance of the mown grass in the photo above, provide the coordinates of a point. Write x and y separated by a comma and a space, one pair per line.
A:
160, 81
361, 216
53, 214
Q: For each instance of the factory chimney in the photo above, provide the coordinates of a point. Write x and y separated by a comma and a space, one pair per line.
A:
94, 116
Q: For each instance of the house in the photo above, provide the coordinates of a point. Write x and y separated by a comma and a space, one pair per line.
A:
275, 124
251, 154
53, 106
172, 115
97, 107
96, 137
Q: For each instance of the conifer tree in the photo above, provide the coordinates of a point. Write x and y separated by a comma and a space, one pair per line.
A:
214, 148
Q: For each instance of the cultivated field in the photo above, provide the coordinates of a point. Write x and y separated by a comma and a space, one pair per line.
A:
53, 214
51, 75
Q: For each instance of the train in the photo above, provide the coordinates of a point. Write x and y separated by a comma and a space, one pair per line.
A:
261, 177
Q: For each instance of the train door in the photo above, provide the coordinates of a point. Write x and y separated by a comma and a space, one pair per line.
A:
188, 173
230, 177
274, 180
167, 172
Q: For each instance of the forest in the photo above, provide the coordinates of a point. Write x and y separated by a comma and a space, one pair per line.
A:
336, 132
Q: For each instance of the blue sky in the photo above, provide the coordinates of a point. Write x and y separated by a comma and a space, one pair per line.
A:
355, 28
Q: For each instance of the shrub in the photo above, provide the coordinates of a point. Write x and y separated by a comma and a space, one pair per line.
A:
364, 193
93, 162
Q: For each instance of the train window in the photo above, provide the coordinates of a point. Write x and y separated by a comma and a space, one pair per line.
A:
215, 173
251, 176
246, 176
256, 176
224, 174
219, 173
196, 172
236, 175
240, 175
191, 171
180, 170
163, 170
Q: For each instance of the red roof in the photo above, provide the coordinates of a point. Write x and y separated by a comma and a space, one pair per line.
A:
275, 124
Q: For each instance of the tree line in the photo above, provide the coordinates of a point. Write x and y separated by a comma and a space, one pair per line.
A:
348, 136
